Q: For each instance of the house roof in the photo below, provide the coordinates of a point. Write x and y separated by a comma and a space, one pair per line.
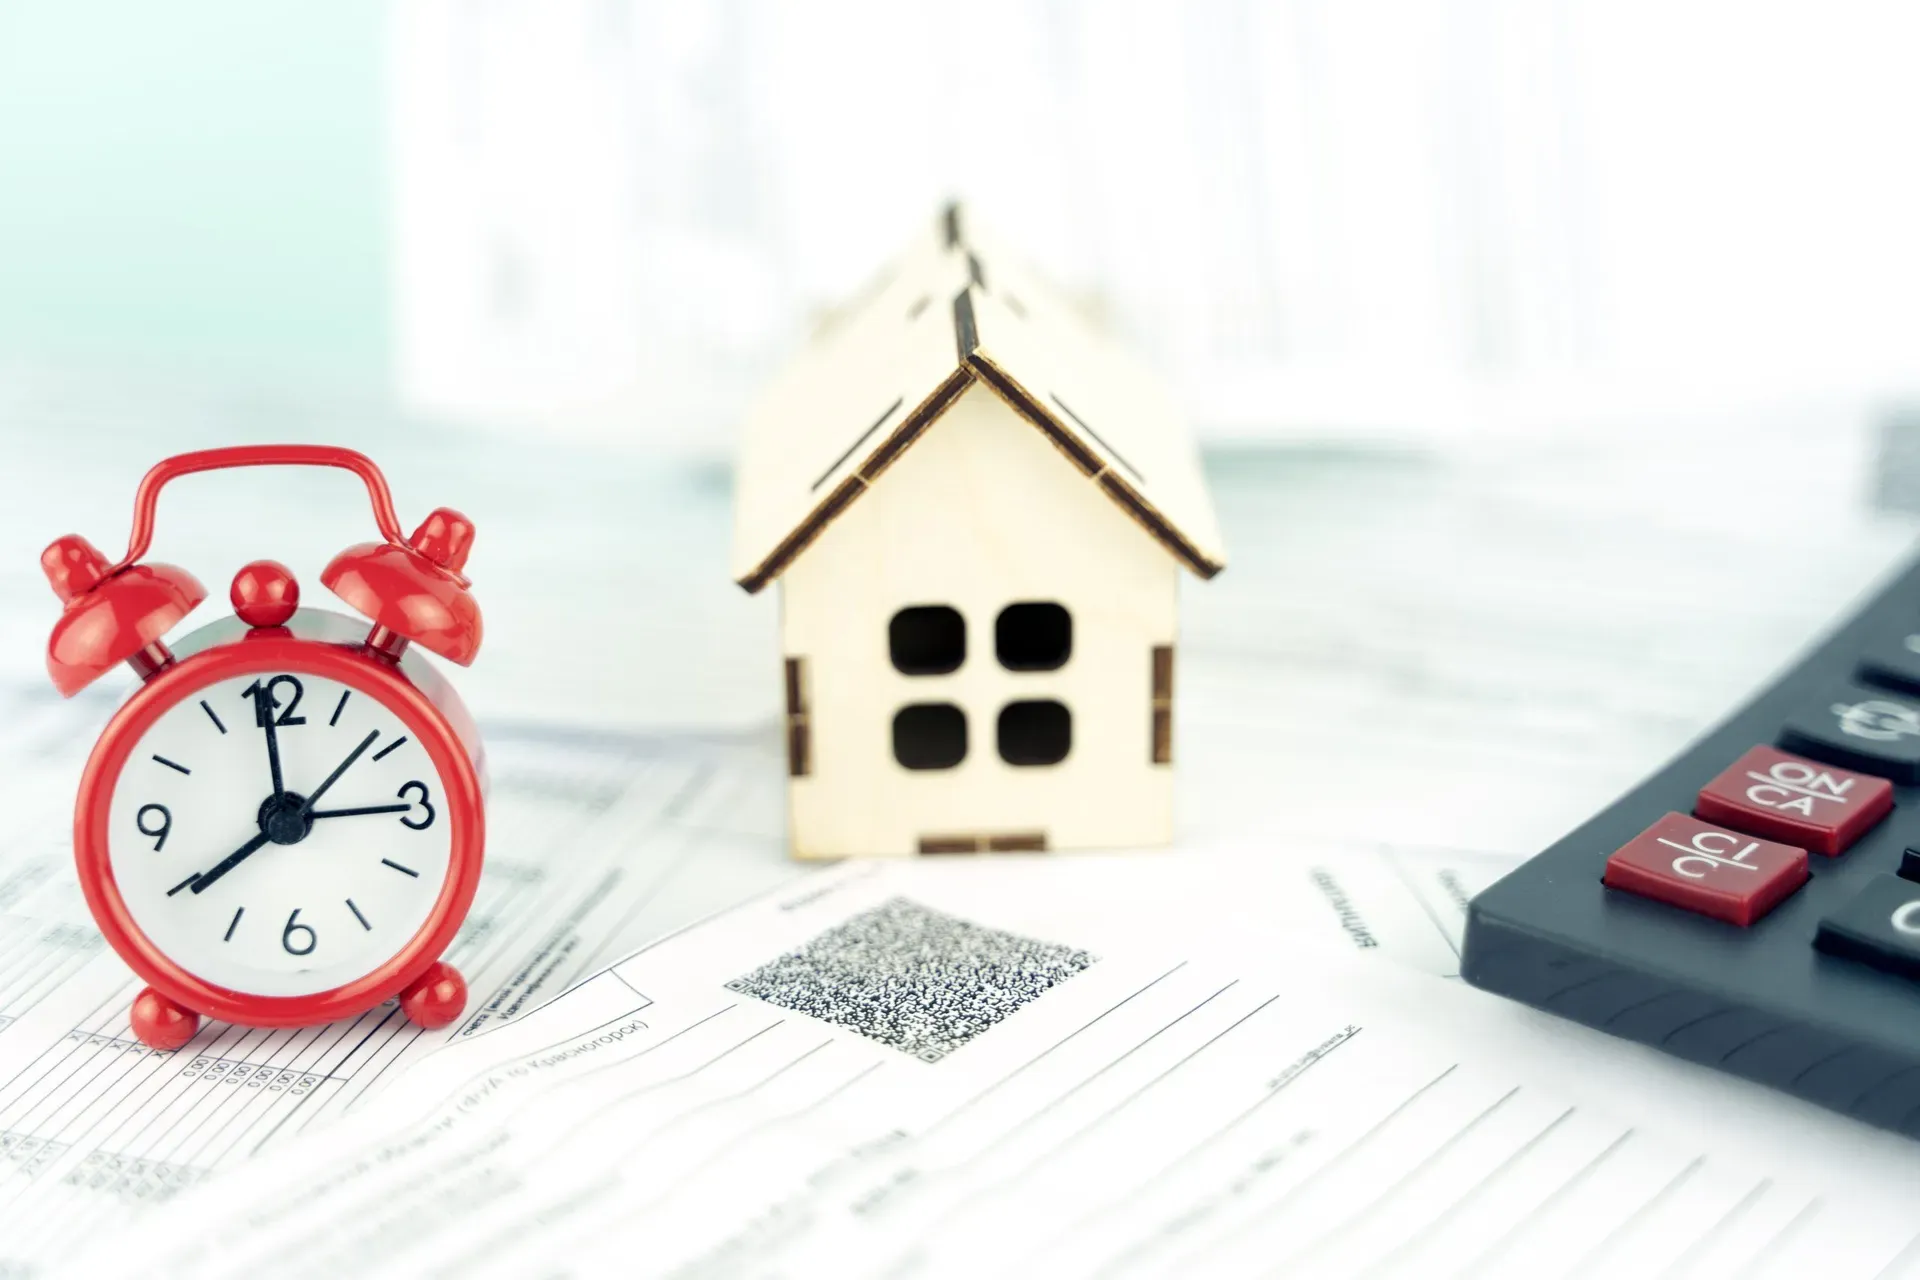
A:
951, 311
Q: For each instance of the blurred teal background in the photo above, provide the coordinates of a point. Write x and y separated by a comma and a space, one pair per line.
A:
196, 187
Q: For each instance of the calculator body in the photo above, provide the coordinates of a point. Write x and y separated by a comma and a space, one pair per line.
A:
1818, 993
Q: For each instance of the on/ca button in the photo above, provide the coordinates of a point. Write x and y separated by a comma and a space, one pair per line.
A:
1818, 807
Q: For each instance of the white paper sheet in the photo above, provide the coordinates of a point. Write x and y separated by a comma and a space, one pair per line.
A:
597, 846
586, 858
1406, 903
1150, 1111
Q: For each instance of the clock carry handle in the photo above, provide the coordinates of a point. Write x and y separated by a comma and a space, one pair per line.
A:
412, 589
256, 455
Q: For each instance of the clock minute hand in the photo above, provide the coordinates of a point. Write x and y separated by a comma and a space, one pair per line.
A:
263, 709
318, 814
199, 883
334, 777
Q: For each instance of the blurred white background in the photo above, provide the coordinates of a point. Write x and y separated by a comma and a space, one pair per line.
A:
1371, 216
1347, 218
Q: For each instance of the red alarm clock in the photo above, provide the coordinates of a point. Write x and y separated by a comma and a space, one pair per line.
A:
284, 824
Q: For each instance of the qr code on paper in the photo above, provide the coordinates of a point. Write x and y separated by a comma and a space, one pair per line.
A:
918, 980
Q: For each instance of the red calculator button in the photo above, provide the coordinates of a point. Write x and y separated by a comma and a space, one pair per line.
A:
1784, 797
1686, 863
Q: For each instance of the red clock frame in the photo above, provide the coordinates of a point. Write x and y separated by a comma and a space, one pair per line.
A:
429, 709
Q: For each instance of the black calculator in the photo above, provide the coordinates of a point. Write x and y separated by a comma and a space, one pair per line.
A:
1755, 905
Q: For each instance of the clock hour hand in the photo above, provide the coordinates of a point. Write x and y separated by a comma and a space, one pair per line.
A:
354, 813
334, 777
199, 883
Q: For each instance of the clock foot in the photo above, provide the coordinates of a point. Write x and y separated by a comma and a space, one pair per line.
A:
160, 1022
437, 998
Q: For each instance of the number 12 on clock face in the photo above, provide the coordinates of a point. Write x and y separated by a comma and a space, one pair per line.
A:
279, 833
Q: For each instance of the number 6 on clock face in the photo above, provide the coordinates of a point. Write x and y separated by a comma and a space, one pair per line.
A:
279, 833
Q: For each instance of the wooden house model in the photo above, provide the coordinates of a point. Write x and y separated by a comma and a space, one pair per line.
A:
977, 511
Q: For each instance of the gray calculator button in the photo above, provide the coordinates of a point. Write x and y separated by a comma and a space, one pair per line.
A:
1860, 728
1880, 926
1893, 661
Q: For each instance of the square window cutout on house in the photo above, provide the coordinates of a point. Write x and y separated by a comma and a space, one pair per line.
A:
930, 735
927, 640
1033, 732
1035, 635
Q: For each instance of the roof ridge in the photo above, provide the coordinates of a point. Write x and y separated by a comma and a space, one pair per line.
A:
1095, 459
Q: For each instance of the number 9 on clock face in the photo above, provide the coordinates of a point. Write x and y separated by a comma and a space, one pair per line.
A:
279, 833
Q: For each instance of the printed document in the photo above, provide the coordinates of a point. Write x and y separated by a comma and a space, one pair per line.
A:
967, 1070
588, 856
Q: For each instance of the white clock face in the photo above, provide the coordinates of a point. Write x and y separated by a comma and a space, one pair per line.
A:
282, 885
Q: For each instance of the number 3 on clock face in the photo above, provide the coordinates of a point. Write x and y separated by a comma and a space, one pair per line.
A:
279, 834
